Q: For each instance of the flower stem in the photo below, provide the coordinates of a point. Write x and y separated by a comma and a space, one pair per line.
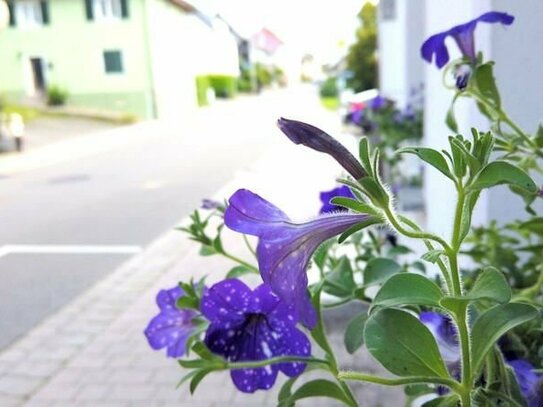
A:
278, 359
239, 261
462, 315
356, 376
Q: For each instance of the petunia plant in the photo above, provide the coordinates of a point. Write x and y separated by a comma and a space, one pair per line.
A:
449, 334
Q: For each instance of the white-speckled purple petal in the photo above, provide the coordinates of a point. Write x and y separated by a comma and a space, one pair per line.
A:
226, 301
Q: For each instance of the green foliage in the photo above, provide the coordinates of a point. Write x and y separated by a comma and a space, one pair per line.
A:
202, 86
408, 289
225, 86
264, 75
403, 345
362, 58
56, 96
329, 88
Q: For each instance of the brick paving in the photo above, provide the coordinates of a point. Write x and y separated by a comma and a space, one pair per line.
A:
93, 352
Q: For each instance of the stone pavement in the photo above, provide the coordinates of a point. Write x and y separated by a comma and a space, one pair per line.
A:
93, 351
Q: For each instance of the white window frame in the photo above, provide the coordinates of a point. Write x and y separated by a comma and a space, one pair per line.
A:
28, 13
107, 10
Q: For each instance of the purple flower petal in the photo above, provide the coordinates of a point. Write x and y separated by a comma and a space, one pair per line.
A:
172, 326
285, 248
530, 383
226, 301
463, 34
445, 334
327, 196
266, 329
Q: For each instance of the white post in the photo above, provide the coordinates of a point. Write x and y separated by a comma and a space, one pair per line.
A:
4, 14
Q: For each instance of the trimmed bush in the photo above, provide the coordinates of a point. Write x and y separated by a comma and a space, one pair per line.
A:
225, 86
329, 88
202, 86
56, 96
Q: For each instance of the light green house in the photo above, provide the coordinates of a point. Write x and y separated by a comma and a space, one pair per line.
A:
135, 56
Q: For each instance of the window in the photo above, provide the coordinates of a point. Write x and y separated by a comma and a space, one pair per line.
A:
30, 13
113, 61
107, 9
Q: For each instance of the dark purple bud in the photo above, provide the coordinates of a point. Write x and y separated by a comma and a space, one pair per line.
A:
540, 192
462, 73
316, 139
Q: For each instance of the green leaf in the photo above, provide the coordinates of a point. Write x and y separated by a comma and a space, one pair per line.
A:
444, 401
207, 250
317, 333
432, 256
403, 345
319, 388
408, 289
354, 205
321, 254
371, 220
539, 137
198, 377
201, 350
185, 302
491, 285
484, 79
459, 165
339, 282
364, 153
379, 269
431, 156
450, 120
283, 398
502, 172
495, 322
239, 271
354, 334
378, 196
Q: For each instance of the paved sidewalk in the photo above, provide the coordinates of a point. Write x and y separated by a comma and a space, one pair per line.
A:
93, 351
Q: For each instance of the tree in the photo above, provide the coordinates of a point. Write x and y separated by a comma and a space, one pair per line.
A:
362, 56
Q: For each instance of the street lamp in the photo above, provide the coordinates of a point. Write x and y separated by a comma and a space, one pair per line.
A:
4, 14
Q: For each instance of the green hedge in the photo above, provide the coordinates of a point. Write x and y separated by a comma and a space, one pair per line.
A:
225, 86
56, 96
202, 85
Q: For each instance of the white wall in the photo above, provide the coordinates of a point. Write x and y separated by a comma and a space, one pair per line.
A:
399, 39
517, 51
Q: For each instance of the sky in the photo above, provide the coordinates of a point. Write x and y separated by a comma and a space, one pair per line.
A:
318, 27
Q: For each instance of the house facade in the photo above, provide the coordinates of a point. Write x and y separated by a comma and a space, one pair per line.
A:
134, 56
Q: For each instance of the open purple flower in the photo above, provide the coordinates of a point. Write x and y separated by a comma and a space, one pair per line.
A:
326, 197
285, 248
463, 35
446, 337
316, 139
531, 384
377, 103
172, 326
250, 326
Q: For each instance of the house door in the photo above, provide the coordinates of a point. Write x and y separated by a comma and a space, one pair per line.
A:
38, 77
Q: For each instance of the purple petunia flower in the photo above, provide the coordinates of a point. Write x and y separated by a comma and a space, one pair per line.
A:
531, 385
540, 192
377, 103
463, 35
285, 248
250, 326
326, 197
172, 326
445, 334
316, 139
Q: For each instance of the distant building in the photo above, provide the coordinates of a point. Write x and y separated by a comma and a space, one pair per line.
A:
136, 56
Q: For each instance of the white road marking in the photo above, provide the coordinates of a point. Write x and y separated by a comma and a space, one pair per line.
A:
68, 249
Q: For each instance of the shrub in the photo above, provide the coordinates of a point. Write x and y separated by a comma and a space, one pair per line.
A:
56, 96
202, 86
225, 86
329, 88
263, 75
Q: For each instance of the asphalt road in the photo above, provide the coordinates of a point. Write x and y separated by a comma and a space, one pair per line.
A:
116, 189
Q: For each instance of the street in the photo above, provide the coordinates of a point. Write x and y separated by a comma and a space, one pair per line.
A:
72, 211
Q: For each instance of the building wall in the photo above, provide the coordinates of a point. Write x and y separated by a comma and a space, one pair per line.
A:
401, 31
517, 53
72, 49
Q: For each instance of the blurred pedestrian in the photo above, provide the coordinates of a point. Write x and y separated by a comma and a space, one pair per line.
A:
17, 130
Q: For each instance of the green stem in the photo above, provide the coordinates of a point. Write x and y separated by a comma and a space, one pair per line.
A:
239, 261
248, 244
535, 289
356, 376
462, 316
413, 234
279, 359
